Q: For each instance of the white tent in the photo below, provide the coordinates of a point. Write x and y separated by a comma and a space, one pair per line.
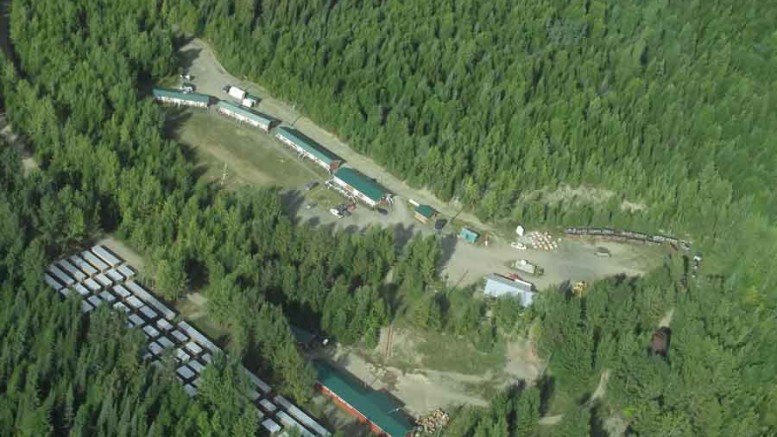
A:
520, 230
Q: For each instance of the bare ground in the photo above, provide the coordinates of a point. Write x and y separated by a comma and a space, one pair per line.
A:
574, 260
420, 391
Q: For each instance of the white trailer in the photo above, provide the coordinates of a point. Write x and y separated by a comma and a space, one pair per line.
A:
249, 102
237, 93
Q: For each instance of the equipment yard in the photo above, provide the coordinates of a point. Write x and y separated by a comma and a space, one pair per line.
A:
419, 370
235, 154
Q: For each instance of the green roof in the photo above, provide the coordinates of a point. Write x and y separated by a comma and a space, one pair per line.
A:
175, 94
376, 406
425, 210
307, 144
364, 185
245, 112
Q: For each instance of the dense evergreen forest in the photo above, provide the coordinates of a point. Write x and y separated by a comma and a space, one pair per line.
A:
665, 103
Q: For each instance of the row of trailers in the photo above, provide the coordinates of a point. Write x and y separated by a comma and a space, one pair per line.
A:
98, 277
617, 234
345, 180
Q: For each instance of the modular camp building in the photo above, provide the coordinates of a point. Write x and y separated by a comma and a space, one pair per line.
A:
308, 148
375, 408
354, 184
245, 115
498, 286
424, 213
180, 98
469, 235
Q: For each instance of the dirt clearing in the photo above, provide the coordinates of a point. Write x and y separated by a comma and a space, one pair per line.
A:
210, 77
573, 260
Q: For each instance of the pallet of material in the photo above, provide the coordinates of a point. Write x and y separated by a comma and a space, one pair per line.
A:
83, 265
92, 285
51, 282
114, 275
141, 292
291, 423
103, 280
301, 416
106, 256
263, 386
94, 261
198, 337
61, 276
271, 426
72, 270
126, 271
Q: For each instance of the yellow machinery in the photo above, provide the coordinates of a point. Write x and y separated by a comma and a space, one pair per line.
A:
579, 288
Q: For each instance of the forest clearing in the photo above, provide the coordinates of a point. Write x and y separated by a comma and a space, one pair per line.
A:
644, 121
257, 158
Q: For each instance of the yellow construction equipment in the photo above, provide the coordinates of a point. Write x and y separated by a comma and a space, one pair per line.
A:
579, 288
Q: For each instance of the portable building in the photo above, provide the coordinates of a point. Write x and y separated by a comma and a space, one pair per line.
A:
180, 98
469, 235
237, 93
358, 186
308, 148
424, 213
383, 415
245, 115
497, 286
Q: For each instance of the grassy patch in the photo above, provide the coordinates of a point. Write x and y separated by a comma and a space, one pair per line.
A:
250, 155
454, 354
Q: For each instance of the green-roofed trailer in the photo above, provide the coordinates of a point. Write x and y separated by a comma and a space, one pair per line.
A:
354, 184
180, 98
375, 408
424, 213
245, 115
308, 148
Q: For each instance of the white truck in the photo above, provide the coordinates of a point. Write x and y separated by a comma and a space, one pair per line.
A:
525, 266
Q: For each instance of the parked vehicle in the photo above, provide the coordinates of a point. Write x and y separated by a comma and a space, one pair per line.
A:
185, 76
439, 224
187, 87
336, 212
525, 266
226, 89
310, 185
518, 245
